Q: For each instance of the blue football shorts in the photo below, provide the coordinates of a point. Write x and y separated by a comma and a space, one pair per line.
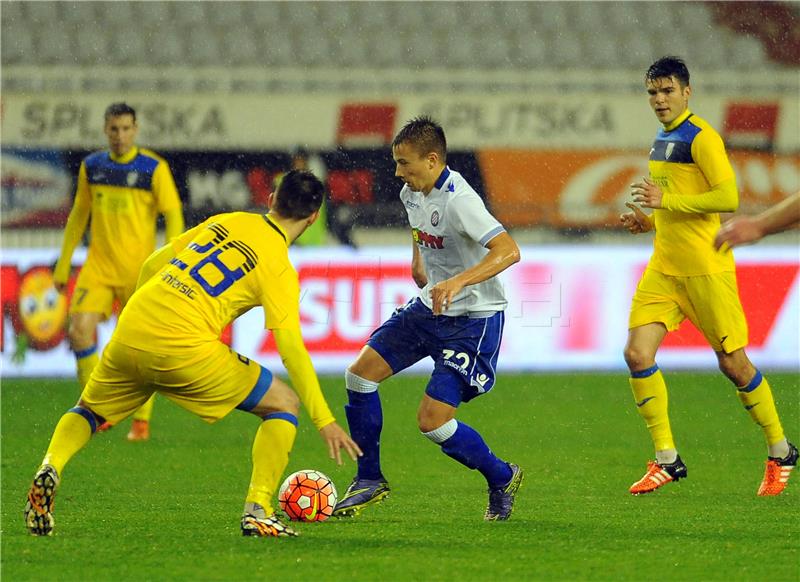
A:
464, 349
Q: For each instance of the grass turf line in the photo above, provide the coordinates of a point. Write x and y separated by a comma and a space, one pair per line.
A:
168, 509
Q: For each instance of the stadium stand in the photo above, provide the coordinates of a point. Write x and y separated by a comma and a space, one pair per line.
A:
507, 35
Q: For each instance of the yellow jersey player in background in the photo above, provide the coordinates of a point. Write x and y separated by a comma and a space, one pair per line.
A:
123, 189
167, 341
691, 181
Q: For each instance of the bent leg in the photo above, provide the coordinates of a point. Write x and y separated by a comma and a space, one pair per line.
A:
278, 409
755, 395
71, 434
461, 442
363, 410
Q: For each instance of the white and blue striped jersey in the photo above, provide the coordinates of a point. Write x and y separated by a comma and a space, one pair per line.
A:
451, 227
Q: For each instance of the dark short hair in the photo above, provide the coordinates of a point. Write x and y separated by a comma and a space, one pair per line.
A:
117, 109
666, 67
299, 195
425, 135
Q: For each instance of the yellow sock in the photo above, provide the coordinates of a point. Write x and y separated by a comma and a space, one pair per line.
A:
650, 394
271, 448
757, 400
145, 411
72, 432
86, 360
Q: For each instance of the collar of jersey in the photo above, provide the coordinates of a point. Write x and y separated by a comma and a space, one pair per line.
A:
678, 120
277, 227
442, 178
126, 158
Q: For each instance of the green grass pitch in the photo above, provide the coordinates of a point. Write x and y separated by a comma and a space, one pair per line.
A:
169, 509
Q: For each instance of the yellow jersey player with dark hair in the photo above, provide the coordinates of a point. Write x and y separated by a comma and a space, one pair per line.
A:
691, 181
123, 189
167, 341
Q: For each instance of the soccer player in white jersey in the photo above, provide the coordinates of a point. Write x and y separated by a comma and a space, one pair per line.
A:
457, 320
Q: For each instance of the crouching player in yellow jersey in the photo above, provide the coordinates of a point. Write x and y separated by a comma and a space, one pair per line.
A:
167, 341
691, 181
122, 189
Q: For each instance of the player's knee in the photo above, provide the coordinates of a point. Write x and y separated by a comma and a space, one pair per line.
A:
287, 400
98, 420
279, 398
290, 403
738, 370
81, 334
370, 366
638, 359
428, 421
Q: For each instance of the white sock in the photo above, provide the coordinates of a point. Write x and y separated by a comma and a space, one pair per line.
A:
779, 450
255, 509
666, 457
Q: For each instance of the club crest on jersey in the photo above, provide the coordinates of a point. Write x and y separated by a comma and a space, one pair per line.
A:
435, 218
133, 177
424, 239
670, 147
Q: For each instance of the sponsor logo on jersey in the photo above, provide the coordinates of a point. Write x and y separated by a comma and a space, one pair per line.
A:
435, 218
424, 239
411, 204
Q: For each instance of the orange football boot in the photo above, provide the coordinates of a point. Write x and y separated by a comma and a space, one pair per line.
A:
776, 475
140, 431
658, 476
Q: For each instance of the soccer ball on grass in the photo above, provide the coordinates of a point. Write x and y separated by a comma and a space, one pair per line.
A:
307, 495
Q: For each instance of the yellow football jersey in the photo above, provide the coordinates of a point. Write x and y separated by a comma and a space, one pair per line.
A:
688, 160
126, 194
222, 268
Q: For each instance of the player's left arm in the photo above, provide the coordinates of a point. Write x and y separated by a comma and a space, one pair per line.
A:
160, 257
708, 152
503, 252
169, 201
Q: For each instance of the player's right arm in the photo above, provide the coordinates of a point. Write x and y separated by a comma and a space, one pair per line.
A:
76, 225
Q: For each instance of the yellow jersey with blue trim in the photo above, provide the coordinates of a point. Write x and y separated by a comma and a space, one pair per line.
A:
689, 163
126, 194
222, 268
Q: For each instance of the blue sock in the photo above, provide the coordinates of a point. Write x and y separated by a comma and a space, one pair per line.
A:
468, 448
365, 418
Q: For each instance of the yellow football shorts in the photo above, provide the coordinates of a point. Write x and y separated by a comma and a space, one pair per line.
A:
91, 296
710, 302
209, 381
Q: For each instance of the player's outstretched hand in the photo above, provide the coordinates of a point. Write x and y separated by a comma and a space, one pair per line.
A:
647, 193
637, 221
337, 439
738, 231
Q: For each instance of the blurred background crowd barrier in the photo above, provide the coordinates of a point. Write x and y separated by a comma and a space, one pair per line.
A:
543, 104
